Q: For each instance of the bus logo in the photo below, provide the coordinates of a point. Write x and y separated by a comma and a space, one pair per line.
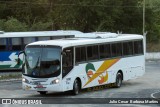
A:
101, 72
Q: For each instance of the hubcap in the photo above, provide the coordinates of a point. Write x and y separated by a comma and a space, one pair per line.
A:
119, 81
76, 87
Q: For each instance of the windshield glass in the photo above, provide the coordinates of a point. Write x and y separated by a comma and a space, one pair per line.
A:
42, 61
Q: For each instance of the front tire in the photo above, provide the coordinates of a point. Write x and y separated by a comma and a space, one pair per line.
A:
42, 92
76, 87
118, 82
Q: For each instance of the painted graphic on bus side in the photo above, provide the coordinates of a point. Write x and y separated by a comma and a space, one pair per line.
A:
101, 72
8, 60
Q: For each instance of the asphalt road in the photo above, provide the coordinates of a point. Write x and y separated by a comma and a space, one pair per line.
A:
147, 86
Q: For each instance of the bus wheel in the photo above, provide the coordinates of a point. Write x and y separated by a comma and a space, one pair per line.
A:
43, 92
76, 87
118, 82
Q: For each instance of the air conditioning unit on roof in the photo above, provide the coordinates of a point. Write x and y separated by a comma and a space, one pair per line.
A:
97, 35
107, 35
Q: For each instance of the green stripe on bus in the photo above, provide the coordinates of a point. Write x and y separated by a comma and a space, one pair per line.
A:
4, 66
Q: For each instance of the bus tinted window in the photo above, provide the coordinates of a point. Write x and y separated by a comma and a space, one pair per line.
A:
80, 54
29, 40
43, 38
116, 49
105, 51
57, 37
138, 47
128, 48
16, 43
92, 52
2, 44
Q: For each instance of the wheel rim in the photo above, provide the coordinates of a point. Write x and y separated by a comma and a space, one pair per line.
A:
119, 81
76, 87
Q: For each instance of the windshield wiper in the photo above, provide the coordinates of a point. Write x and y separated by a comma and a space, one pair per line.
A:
36, 66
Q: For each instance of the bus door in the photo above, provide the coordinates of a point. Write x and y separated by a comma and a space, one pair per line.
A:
67, 66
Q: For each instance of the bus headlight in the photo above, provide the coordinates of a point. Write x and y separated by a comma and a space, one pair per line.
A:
56, 81
25, 80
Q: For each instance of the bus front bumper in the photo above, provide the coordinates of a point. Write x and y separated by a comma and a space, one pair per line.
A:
52, 87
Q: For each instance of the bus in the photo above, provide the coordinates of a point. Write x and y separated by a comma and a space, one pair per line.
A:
11, 43
87, 60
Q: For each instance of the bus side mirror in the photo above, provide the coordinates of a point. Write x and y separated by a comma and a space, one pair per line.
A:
18, 60
64, 53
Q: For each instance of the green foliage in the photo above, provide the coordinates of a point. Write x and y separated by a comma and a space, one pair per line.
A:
40, 26
153, 25
83, 15
13, 24
2, 25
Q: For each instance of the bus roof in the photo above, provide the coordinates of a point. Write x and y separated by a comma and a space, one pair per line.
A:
78, 41
38, 33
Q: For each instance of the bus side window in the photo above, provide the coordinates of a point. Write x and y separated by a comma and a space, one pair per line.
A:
16, 44
128, 48
43, 38
105, 51
2, 44
28, 40
92, 52
116, 49
138, 47
67, 61
80, 54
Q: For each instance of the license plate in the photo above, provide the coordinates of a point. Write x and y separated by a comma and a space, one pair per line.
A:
40, 86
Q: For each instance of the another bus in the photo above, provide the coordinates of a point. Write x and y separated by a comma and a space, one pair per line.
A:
11, 43
89, 59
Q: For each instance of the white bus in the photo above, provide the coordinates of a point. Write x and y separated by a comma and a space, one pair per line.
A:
11, 43
89, 59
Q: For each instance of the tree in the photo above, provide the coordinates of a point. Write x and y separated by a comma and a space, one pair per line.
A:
153, 20
41, 26
83, 15
14, 25
2, 25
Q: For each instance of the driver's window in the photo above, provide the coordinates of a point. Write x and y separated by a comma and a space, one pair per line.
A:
67, 60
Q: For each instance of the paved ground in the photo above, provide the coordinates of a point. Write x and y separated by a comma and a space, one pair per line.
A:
147, 86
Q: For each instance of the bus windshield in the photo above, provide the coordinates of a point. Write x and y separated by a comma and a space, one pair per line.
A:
42, 61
